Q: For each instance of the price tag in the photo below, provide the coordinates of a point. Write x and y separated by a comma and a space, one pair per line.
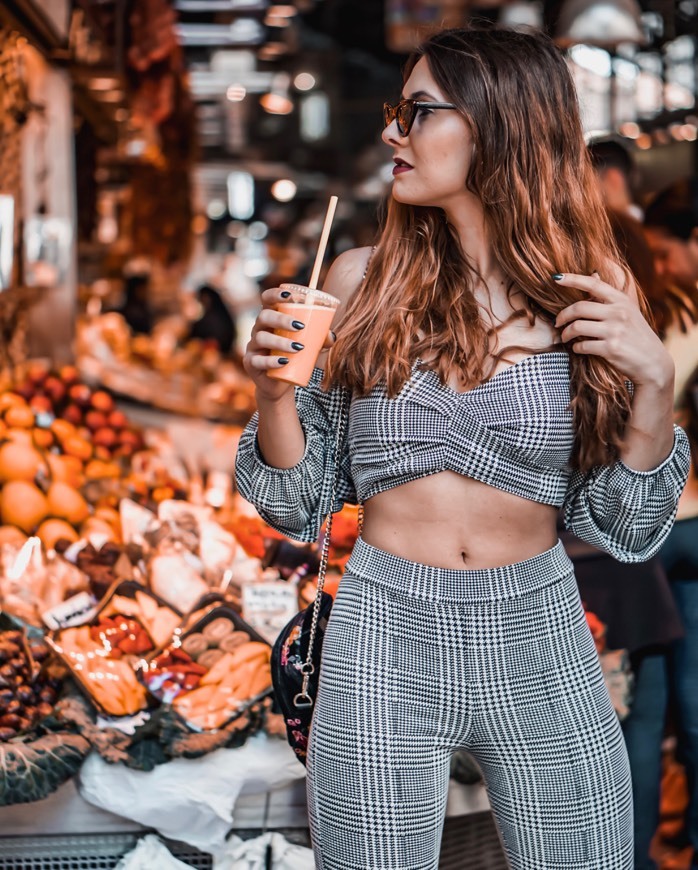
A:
269, 605
79, 609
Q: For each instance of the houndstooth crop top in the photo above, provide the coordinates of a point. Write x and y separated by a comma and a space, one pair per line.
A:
513, 432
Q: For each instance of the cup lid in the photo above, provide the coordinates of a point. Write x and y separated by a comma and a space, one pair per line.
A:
320, 295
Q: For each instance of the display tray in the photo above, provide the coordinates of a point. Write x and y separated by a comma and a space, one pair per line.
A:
157, 673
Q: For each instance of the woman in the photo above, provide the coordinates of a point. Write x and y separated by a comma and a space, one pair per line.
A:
671, 224
487, 368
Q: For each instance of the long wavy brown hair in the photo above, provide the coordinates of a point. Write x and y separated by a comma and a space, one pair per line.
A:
543, 215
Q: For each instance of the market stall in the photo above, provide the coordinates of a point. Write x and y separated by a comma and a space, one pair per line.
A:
162, 163
135, 634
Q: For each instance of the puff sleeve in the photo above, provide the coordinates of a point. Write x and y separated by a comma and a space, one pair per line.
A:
295, 501
625, 512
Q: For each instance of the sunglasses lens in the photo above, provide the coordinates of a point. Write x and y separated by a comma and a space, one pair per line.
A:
405, 112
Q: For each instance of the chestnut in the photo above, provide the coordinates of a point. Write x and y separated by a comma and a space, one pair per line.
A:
10, 720
6, 695
24, 724
25, 694
47, 694
7, 734
13, 707
18, 664
44, 709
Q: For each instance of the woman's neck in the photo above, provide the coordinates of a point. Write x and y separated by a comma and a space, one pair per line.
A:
467, 220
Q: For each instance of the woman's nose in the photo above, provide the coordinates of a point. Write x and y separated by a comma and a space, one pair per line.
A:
391, 135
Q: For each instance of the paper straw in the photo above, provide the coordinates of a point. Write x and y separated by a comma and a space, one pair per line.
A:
323, 243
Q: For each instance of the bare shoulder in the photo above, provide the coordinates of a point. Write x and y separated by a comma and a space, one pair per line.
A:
346, 272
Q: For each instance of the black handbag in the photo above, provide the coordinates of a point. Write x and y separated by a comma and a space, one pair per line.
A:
295, 656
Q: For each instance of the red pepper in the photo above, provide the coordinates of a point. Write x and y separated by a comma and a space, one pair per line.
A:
191, 681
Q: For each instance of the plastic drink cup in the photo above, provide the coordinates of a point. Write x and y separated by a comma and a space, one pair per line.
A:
316, 310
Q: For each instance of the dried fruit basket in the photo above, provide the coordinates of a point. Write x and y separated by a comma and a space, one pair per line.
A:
103, 654
213, 671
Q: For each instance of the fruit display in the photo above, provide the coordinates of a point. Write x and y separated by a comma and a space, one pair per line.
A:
130, 623
218, 669
27, 693
68, 457
58, 409
106, 676
33, 581
189, 378
121, 636
158, 618
104, 566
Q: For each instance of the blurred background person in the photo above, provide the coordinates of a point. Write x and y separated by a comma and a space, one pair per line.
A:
636, 604
615, 172
135, 309
216, 323
671, 222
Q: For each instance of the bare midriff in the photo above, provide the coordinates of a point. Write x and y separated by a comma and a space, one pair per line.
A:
448, 520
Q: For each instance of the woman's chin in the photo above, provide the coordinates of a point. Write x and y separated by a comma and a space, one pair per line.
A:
407, 198
402, 194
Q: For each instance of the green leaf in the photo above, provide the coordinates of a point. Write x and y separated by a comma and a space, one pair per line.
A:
33, 770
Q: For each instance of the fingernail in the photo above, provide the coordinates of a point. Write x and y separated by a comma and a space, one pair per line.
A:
298, 325
558, 276
285, 294
296, 345
282, 360
333, 334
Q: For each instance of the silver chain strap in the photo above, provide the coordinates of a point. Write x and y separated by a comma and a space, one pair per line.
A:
303, 698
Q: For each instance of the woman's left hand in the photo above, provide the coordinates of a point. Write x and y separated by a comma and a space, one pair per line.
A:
610, 324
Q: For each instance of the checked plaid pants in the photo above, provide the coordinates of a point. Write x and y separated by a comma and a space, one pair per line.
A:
420, 661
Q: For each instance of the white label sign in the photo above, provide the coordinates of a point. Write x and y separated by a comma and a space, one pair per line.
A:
79, 609
269, 605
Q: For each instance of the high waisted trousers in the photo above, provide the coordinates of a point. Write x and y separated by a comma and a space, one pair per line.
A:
420, 661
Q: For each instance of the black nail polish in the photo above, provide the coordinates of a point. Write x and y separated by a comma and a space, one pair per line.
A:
282, 360
558, 276
298, 325
333, 334
296, 345
285, 294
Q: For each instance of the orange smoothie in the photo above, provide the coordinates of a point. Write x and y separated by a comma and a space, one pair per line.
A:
318, 320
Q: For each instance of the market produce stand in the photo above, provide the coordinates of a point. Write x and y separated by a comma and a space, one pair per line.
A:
133, 572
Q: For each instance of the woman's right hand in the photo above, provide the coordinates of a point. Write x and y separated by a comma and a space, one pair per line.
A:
257, 360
